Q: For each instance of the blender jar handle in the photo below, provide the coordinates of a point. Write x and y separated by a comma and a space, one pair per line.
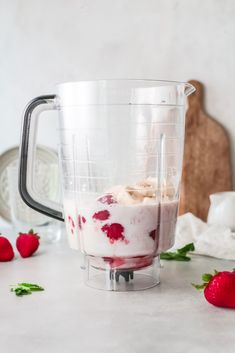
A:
27, 153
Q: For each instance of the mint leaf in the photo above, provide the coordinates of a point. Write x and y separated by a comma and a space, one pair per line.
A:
20, 291
186, 249
173, 256
167, 256
26, 288
31, 286
179, 254
182, 258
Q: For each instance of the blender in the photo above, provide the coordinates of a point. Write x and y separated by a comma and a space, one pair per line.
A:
120, 154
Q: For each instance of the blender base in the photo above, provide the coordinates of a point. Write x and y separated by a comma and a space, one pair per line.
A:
115, 279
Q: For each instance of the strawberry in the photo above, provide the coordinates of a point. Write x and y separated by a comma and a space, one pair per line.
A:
6, 250
27, 243
219, 289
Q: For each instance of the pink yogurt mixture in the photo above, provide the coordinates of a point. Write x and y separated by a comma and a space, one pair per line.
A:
121, 236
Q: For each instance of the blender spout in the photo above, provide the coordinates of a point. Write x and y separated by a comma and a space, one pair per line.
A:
188, 89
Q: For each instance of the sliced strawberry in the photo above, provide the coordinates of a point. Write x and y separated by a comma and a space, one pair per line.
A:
72, 224
81, 221
142, 261
101, 215
107, 199
114, 231
114, 261
152, 234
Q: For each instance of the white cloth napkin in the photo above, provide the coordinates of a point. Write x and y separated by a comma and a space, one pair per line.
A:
210, 240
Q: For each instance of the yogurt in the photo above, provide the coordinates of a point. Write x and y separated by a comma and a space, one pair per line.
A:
124, 223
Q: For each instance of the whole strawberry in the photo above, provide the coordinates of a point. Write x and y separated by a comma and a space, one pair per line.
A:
27, 243
219, 289
6, 250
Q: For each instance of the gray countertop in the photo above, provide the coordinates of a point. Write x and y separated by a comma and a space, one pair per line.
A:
69, 317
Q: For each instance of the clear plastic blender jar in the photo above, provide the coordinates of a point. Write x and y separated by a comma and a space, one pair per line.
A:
121, 151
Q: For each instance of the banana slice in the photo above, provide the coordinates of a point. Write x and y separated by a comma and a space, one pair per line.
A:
145, 191
124, 198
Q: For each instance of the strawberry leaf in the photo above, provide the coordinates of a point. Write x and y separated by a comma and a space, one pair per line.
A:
206, 277
31, 231
199, 286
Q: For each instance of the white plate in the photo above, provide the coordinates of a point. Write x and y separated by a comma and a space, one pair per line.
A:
44, 155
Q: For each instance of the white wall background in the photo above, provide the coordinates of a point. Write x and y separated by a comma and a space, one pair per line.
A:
49, 41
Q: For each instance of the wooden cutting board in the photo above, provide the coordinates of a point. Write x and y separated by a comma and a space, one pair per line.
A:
206, 166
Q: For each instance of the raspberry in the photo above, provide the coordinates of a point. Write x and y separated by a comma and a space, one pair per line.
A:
81, 219
101, 215
107, 199
114, 231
